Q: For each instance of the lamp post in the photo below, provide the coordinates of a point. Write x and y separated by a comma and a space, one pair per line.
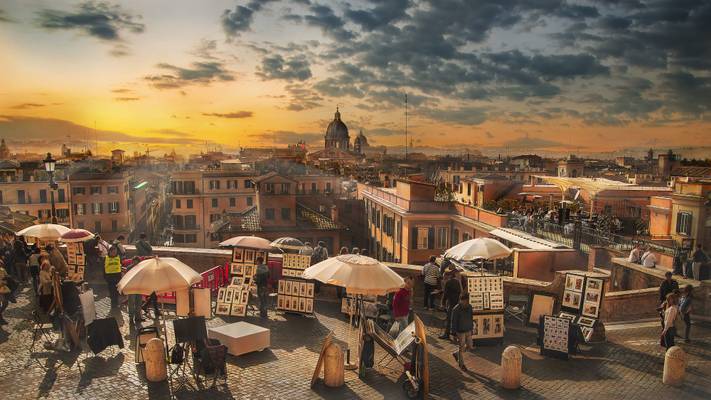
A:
49, 165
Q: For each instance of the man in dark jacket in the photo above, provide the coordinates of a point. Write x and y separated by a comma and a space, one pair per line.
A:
668, 285
143, 247
261, 278
462, 325
452, 292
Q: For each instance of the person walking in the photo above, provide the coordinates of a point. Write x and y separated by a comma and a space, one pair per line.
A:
57, 260
4, 293
119, 245
143, 247
430, 272
307, 250
698, 259
670, 314
401, 308
112, 274
452, 292
320, 253
20, 254
134, 300
35, 267
667, 286
462, 325
685, 309
261, 279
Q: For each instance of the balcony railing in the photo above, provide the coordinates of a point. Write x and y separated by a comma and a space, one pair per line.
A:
410, 205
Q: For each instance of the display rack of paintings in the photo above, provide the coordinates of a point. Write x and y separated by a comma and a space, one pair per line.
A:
76, 261
486, 295
294, 294
555, 334
232, 300
582, 299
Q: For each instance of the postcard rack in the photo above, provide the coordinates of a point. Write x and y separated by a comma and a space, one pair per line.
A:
581, 302
295, 294
486, 295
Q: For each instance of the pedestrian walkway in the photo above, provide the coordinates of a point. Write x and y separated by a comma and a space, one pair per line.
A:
629, 365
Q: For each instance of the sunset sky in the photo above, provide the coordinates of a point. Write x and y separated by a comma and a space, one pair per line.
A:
491, 75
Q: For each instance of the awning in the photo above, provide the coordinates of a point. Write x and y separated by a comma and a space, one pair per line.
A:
525, 240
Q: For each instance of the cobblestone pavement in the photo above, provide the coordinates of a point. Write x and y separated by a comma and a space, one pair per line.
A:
629, 365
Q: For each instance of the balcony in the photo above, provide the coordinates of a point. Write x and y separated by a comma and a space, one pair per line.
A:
406, 204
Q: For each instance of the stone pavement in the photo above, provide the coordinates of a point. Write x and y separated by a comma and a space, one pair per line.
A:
628, 366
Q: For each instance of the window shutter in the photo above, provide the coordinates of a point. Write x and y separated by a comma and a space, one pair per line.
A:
430, 238
414, 237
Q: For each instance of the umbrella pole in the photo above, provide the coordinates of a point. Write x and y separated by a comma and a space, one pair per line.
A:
348, 365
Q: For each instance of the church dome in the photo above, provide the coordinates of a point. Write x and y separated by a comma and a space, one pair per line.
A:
337, 130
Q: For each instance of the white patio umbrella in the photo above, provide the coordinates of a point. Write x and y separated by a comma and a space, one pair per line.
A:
252, 242
358, 274
473, 249
288, 243
44, 231
158, 274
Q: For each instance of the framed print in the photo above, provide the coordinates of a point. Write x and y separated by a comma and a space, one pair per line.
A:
498, 325
80, 259
236, 269
569, 282
592, 297
221, 295
587, 333
247, 281
238, 255
287, 287
71, 258
236, 281
280, 302
585, 321
245, 296
310, 306
229, 295
571, 299
302, 305
541, 304
486, 325
566, 315
223, 309
591, 309
302, 289
280, 287
287, 302
487, 303
310, 290
475, 326
295, 288
262, 254
594, 284
249, 256
238, 310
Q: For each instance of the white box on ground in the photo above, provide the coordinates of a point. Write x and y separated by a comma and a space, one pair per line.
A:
241, 337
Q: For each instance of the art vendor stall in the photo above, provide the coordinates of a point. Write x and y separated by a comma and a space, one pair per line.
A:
295, 294
486, 295
583, 293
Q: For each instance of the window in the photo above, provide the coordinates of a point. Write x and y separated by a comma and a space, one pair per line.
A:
421, 238
178, 238
43, 195
178, 203
465, 237
442, 237
269, 188
97, 208
248, 184
113, 207
61, 198
215, 217
78, 190
398, 233
178, 221
250, 201
214, 203
683, 223
469, 189
97, 226
114, 225
190, 238
232, 184
189, 203
20, 197
286, 214
214, 184
269, 213
62, 213
328, 187
233, 201
112, 189
95, 190
80, 209
285, 188
190, 222
314, 189
455, 237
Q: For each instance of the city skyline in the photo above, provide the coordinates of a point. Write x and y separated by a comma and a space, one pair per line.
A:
523, 77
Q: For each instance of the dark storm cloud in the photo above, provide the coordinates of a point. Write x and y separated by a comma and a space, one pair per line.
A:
200, 73
101, 20
384, 12
330, 24
302, 97
239, 20
459, 116
687, 93
291, 68
231, 115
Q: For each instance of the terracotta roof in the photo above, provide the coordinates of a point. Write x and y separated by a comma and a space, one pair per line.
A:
696, 172
311, 219
269, 176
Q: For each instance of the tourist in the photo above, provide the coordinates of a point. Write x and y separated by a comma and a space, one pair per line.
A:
35, 267
119, 245
431, 274
635, 254
667, 286
685, 309
102, 246
452, 292
261, 279
670, 314
112, 274
57, 260
355, 250
649, 260
45, 284
20, 254
698, 259
401, 307
143, 247
462, 325
307, 250
343, 251
134, 300
4, 292
320, 253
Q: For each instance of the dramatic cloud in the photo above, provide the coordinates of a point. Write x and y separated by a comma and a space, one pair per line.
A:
526, 142
231, 115
302, 97
277, 67
384, 12
460, 116
330, 24
240, 19
200, 73
27, 106
97, 19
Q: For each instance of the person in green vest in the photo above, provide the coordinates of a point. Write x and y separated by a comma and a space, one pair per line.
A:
112, 274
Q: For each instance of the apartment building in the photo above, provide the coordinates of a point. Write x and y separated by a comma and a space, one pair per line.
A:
685, 215
24, 188
100, 202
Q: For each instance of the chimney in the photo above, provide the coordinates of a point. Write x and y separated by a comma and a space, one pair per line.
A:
334, 213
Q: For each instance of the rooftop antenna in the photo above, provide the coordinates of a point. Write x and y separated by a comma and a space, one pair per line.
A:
406, 126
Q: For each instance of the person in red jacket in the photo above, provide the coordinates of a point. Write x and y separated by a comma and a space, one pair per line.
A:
401, 307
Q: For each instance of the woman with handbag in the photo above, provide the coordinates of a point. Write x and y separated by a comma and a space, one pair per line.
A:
670, 314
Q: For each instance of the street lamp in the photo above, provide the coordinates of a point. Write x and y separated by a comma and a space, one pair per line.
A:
49, 166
